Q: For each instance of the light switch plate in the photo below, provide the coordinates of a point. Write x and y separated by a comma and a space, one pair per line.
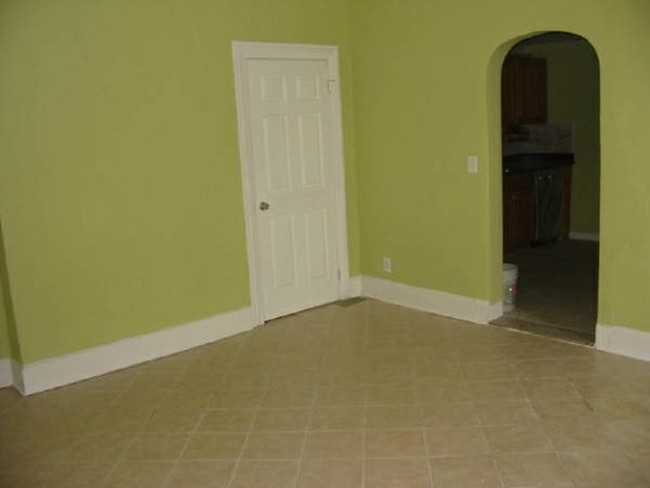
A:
472, 164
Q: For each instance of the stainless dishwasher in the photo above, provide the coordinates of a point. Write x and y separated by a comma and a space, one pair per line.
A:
549, 204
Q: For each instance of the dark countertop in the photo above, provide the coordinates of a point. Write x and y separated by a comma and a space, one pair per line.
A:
524, 163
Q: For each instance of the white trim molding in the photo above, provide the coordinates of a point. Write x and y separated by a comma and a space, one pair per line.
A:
354, 287
64, 370
6, 373
438, 302
584, 236
17, 372
494, 311
628, 342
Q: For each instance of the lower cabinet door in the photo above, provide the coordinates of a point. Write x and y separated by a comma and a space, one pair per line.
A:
518, 212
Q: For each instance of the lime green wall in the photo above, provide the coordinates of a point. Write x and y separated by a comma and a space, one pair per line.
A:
426, 96
420, 116
5, 349
573, 96
120, 180
9, 346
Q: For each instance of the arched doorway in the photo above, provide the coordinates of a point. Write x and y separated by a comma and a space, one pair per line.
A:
550, 156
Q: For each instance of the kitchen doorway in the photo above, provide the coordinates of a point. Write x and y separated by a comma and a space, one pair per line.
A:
551, 185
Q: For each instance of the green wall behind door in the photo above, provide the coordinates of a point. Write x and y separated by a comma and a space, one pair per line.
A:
5, 348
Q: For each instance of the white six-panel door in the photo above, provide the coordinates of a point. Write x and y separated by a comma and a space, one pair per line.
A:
292, 155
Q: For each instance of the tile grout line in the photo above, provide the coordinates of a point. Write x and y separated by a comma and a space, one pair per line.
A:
191, 432
194, 430
258, 406
421, 406
308, 424
364, 435
124, 452
495, 465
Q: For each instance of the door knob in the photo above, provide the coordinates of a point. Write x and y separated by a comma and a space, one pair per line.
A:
264, 206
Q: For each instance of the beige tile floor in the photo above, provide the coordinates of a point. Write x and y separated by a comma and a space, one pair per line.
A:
363, 396
557, 290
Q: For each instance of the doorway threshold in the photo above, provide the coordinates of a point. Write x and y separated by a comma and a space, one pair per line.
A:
547, 330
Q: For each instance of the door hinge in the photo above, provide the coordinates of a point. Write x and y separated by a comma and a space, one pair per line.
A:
331, 84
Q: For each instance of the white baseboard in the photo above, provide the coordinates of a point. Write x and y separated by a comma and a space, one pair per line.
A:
54, 372
354, 290
17, 372
494, 311
6, 374
624, 341
584, 236
441, 303
63, 370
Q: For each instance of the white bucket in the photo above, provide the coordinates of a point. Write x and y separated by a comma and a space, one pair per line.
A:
510, 274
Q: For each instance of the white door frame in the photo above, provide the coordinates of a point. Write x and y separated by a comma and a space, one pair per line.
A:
242, 52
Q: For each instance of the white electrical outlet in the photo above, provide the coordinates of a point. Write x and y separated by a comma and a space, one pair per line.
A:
387, 264
472, 164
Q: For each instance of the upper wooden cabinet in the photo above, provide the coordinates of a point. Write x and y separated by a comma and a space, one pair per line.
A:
523, 91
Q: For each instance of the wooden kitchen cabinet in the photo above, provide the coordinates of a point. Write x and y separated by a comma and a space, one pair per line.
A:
523, 91
518, 211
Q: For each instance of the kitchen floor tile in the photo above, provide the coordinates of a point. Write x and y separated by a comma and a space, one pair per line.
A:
157, 447
281, 419
273, 445
334, 444
395, 443
533, 471
462, 441
201, 474
393, 417
227, 420
601, 469
331, 473
266, 474
397, 473
214, 446
340, 418
139, 475
518, 439
465, 472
